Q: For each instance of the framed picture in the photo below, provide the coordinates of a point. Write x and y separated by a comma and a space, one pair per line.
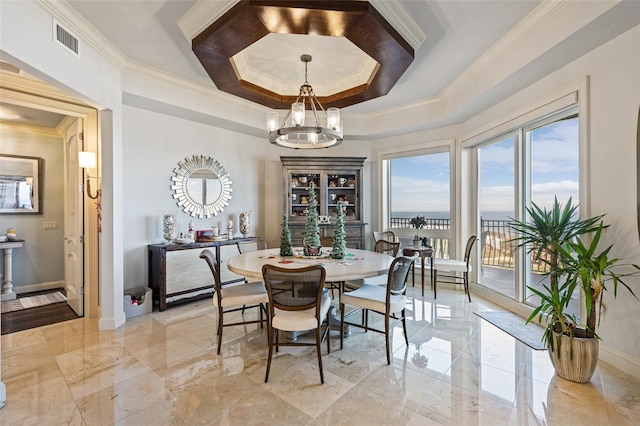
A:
20, 183
205, 235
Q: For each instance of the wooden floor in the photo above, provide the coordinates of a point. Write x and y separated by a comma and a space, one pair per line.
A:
36, 317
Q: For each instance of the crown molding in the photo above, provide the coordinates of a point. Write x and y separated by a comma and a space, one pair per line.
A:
89, 34
404, 108
509, 42
402, 21
201, 15
137, 68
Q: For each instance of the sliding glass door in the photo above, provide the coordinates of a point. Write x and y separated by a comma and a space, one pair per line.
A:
496, 201
533, 163
554, 165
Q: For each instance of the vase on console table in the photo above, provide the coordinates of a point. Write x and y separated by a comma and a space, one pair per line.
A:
245, 223
169, 227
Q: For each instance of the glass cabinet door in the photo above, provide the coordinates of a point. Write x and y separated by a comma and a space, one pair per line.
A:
299, 196
342, 187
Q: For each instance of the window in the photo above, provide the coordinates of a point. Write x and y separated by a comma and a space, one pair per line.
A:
532, 163
420, 185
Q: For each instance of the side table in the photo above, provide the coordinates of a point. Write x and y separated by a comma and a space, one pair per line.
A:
424, 253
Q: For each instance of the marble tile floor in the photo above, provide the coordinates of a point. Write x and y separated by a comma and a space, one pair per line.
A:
162, 368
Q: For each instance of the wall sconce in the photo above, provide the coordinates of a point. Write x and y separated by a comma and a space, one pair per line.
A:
87, 160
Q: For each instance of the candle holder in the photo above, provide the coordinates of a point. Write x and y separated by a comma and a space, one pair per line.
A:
230, 231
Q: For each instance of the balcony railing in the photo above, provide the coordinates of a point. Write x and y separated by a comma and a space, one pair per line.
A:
495, 240
405, 222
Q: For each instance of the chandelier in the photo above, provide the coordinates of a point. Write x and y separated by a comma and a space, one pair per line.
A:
297, 135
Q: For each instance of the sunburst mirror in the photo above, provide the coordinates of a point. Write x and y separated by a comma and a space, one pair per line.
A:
201, 186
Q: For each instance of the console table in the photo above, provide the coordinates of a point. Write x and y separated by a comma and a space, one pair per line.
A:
7, 279
178, 275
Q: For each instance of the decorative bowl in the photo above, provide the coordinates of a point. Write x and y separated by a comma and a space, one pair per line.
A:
185, 240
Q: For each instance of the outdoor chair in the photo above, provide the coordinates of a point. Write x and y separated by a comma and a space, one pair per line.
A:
452, 267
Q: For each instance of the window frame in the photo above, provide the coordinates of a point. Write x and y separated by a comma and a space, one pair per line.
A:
522, 182
384, 161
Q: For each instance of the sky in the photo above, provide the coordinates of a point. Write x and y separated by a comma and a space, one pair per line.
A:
421, 183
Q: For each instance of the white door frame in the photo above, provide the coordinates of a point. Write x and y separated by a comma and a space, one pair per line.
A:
42, 97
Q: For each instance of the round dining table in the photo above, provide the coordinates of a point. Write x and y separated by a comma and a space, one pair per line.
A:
357, 264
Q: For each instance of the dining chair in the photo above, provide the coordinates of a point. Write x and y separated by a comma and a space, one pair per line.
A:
249, 246
388, 301
384, 235
332, 285
389, 247
381, 246
235, 297
452, 267
253, 245
297, 302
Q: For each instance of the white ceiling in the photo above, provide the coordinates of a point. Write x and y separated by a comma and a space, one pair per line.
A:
455, 36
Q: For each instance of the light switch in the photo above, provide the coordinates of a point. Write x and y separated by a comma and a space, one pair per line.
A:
49, 225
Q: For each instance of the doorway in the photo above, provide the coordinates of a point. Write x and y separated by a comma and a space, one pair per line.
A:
78, 234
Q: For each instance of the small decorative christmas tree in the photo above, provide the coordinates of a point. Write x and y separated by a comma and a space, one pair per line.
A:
311, 240
339, 248
285, 239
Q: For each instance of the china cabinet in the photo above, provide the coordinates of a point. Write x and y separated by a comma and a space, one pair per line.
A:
335, 180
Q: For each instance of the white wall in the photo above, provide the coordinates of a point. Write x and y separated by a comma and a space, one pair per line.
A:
41, 261
614, 71
153, 145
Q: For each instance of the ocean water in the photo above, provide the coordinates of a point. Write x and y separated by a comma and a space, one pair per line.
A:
447, 215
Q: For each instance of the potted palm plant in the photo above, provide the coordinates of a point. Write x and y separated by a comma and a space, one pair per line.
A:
548, 229
557, 238
573, 348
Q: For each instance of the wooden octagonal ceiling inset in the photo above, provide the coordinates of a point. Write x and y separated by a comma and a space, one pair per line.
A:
251, 20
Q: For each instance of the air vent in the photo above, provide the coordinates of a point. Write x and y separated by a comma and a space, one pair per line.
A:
62, 36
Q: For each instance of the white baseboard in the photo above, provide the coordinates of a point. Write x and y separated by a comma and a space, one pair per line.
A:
620, 360
28, 288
